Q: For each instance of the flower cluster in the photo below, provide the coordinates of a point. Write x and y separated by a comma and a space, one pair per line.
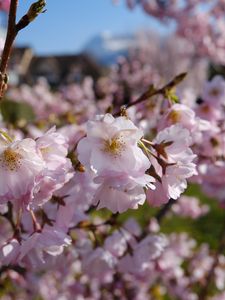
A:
193, 23
91, 203
31, 170
111, 151
172, 162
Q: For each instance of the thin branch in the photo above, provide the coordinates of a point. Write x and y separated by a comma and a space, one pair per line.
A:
35, 9
12, 31
10, 37
153, 92
164, 210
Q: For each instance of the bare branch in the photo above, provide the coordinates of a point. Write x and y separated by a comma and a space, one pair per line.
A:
12, 31
153, 92
34, 10
11, 34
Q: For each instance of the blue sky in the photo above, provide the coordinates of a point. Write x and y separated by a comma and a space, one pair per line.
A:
69, 24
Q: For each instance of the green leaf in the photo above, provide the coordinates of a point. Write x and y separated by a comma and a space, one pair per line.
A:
14, 112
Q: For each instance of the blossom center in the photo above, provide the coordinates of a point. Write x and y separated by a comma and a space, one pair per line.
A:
114, 146
45, 150
214, 92
10, 160
174, 116
205, 109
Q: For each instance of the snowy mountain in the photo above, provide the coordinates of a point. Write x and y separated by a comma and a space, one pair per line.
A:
105, 48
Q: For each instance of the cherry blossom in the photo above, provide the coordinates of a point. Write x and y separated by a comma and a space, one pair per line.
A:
172, 162
21, 168
111, 150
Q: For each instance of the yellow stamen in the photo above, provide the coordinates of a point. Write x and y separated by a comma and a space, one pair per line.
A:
45, 150
114, 146
174, 116
10, 160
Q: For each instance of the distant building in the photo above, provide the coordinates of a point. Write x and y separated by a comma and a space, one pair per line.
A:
19, 64
26, 67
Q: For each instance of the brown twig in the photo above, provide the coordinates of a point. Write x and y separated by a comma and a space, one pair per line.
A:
164, 210
153, 92
10, 37
12, 31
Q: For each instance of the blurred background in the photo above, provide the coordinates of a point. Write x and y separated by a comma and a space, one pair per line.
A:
78, 38
110, 51
86, 37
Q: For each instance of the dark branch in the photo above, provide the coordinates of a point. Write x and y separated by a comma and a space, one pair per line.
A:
35, 9
12, 31
153, 92
10, 37
164, 210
